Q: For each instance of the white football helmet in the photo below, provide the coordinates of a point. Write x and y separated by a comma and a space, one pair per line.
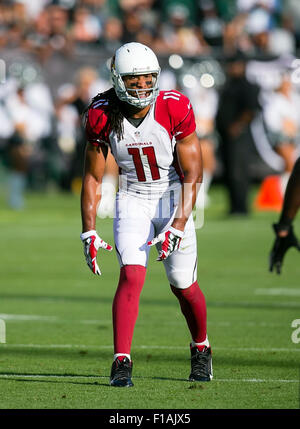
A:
135, 59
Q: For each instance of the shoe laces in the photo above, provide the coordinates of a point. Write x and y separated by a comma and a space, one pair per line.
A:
123, 368
200, 361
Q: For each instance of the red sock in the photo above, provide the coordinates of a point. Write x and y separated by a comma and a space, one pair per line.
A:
193, 307
126, 306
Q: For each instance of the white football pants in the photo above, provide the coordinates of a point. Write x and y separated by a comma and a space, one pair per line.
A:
138, 220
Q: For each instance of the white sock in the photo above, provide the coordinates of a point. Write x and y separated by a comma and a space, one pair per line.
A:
121, 354
204, 343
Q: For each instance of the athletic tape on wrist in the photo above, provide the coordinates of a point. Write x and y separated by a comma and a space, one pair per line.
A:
176, 232
85, 235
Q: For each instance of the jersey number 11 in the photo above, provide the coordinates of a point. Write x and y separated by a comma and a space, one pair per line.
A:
138, 163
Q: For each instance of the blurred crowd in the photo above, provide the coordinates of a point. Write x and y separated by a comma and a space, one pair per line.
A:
190, 27
235, 59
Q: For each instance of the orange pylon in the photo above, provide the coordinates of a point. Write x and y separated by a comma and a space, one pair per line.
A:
270, 196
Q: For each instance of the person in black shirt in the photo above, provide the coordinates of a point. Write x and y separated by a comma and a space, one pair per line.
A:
238, 105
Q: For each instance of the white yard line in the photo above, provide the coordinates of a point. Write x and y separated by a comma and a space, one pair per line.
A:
224, 380
49, 376
278, 292
254, 380
149, 346
52, 319
25, 317
55, 319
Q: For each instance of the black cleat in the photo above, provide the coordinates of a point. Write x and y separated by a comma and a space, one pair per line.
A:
120, 375
201, 364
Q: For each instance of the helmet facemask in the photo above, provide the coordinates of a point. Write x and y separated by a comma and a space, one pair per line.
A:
133, 96
138, 60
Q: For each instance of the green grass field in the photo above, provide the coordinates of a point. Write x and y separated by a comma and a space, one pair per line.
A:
58, 349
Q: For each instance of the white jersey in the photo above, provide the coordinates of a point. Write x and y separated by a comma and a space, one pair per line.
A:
146, 154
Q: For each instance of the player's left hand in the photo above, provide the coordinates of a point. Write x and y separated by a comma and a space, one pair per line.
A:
170, 240
281, 245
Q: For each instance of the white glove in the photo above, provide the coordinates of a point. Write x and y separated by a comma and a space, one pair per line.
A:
91, 243
170, 240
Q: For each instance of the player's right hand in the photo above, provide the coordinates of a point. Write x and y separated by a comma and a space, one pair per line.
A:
91, 243
281, 245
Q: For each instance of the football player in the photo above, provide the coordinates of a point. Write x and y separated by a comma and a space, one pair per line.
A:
285, 236
151, 134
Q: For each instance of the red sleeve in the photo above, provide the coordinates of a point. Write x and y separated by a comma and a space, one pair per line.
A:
186, 127
174, 111
96, 126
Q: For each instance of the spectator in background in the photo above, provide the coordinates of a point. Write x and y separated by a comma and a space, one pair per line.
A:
150, 13
227, 9
19, 13
112, 34
211, 24
96, 7
17, 155
37, 36
68, 131
14, 36
6, 132
268, 29
178, 35
32, 8
31, 147
205, 103
238, 104
70, 106
291, 19
253, 28
86, 26
235, 38
258, 25
281, 113
270, 6
190, 6
13, 22
60, 37
138, 20
282, 40
132, 25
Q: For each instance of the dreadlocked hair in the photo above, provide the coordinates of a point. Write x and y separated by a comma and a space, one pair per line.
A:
111, 104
